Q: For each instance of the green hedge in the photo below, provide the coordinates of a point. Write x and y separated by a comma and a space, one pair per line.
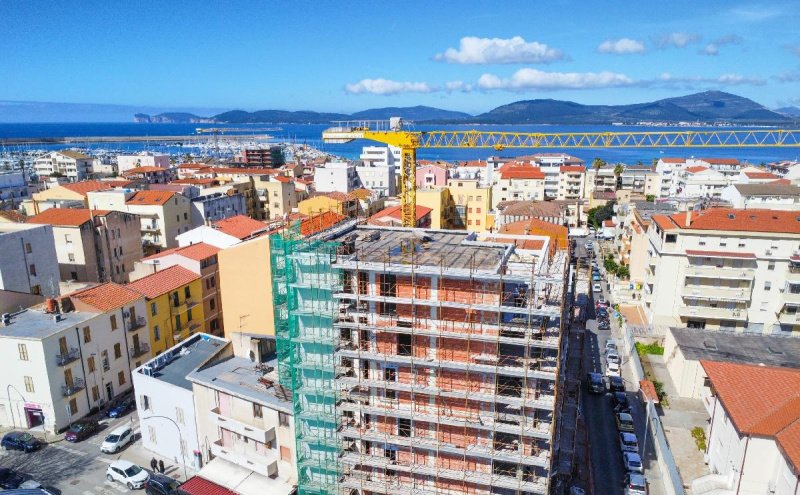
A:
653, 348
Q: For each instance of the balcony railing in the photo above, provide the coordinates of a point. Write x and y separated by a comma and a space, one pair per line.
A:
720, 272
64, 358
135, 324
70, 389
739, 314
140, 350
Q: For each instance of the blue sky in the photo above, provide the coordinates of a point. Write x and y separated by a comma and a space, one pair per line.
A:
347, 56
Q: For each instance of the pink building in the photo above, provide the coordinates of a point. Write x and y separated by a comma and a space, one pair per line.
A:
432, 175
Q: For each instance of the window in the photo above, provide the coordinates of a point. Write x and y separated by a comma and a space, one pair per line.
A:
404, 345
156, 333
23, 352
28, 248
113, 322
771, 265
212, 304
702, 243
286, 454
403, 427
671, 238
179, 415
36, 290
477, 222
145, 402
178, 322
258, 412
32, 270
151, 432
469, 210
187, 292
71, 257
68, 238
117, 351
741, 244
104, 356
28, 384
121, 378
477, 210
186, 216
283, 419
767, 285
153, 309
189, 314
90, 364
95, 393
73, 407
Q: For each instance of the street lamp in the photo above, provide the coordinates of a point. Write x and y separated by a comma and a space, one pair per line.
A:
180, 439
10, 405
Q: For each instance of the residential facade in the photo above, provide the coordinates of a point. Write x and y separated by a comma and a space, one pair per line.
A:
207, 208
29, 262
471, 205
519, 183
143, 159
73, 165
377, 177
772, 196
336, 177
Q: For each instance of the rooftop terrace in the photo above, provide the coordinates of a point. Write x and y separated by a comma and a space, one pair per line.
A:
175, 364
36, 324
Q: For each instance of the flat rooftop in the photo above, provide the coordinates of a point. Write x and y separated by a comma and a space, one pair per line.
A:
241, 377
186, 357
770, 350
38, 325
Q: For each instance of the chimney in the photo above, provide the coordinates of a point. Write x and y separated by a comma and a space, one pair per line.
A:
688, 217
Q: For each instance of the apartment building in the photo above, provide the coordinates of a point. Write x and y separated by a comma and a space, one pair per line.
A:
73, 165
571, 182
702, 182
670, 169
432, 174
441, 203
722, 268
601, 180
207, 208
174, 312
143, 159
420, 360
344, 204
278, 197
66, 363
519, 183
774, 196
752, 443
223, 233
93, 245
336, 177
382, 156
269, 157
66, 195
200, 258
471, 205
634, 178
13, 188
377, 177
29, 262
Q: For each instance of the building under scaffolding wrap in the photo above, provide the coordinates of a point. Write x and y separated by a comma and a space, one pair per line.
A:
420, 361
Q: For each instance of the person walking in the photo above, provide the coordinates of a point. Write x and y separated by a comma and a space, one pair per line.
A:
154, 465
161, 466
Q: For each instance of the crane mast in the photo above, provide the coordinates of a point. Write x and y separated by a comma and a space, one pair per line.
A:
392, 133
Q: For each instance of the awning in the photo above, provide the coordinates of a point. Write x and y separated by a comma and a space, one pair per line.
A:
243, 481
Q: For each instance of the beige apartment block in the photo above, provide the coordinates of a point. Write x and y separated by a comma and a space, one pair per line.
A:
246, 288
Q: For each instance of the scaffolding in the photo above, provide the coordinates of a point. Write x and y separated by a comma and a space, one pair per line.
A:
303, 284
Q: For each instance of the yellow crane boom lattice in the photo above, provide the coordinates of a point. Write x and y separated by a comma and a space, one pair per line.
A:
392, 133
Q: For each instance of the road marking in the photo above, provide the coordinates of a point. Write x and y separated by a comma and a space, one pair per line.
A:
69, 449
116, 486
104, 459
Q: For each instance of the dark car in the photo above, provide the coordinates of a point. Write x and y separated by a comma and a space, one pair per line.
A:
616, 384
81, 429
18, 440
10, 479
159, 484
596, 384
621, 403
604, 325
122, 407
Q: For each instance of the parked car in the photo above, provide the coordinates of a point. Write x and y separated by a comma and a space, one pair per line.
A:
633, 463
635, 484
18, 440
127, 473
160, 484
628, 442
595, 383
612, 369
122, 407
611, 347
590, 245
621, 403
603, 325
10, 479
624, 422
597, 288
616, 384
596, 277
601, 299
117, 439
81, 429
613, 357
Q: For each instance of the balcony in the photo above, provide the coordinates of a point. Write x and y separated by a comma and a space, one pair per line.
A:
727, 272
194, 325
139, 350
738, 314
716, 293
151, 229
791, 298
246, 430
793, 275
64, 358
265, 465
136, 324
789, 318
70, 389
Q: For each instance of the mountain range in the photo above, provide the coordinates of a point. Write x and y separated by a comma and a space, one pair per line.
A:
706, 107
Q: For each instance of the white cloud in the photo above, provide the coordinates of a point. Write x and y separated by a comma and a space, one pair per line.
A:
788, 76
452, 86
535, 79
387, 87
712, 48
677, 40
668, 79
474, 50
755, 13
621, 46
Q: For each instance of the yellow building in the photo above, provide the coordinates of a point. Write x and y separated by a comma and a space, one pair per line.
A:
174, 306
245, 284
472, 205
439, 200
341, 203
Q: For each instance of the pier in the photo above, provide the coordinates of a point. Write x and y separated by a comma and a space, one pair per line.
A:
125, 139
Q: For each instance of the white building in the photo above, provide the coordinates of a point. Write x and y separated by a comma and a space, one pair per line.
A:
64, 364
702, 182
336, 177
208, 208
13, 186
143, 159
737, 270
378, 178
671, 169
381, 156
29, 263
773, 196
73, 165
752, 445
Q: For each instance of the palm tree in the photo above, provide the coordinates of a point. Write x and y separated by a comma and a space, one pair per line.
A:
618, 169
597, 164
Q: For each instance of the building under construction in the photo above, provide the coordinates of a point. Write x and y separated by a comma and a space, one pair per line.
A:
420, 361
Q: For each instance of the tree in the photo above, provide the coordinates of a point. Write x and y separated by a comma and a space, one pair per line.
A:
618, 169
623, 272
598, 163
650, 198
655, 162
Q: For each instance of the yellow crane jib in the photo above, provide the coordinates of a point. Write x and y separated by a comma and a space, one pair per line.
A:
392, 132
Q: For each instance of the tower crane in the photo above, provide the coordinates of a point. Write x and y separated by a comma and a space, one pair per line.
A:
217, 131
392, 132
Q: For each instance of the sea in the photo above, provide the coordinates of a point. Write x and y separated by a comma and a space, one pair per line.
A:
311, 134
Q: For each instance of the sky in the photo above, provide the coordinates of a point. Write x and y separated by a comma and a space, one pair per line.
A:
349, 56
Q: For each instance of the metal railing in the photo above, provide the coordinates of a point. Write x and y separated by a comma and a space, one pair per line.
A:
140, 350
70, 389
64, 358
136, 323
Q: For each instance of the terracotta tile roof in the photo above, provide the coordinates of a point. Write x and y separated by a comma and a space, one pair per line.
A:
197, 252
239, 226
144, 170
558, 233
163, 281
608, 223
761, 401
282, 178
339, 196
245, 171
87, 186
66, 217
120, 182
673, 160
781, 181
540, 209
12, 216
150, 198
193, 166
664, 222
695, 169
106, 297
396, 213
521, 172
361, 193
320, 222
532, 244
720, 161
761, 175
201, 486
572, 168
77, 155
775, 221
474, 163
208, 181
719, 254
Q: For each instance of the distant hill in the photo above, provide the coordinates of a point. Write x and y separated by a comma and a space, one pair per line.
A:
708, 106
418, 114
172, 118
789, 111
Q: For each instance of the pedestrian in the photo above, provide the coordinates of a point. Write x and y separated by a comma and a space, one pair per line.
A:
153, 464
161, 466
